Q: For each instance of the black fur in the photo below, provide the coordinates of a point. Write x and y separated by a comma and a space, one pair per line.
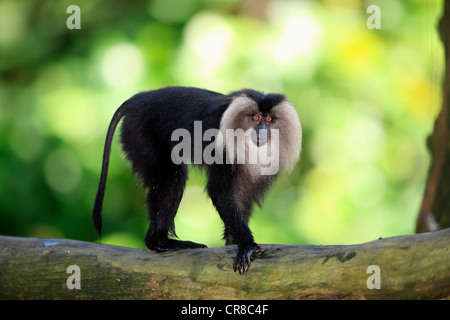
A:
149, 118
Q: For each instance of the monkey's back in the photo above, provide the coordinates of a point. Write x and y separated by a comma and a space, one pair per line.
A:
151, 117
172, 108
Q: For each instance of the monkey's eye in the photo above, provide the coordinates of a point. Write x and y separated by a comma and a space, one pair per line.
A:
256, 117
269, 119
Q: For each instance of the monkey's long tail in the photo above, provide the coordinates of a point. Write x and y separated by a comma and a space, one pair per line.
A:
97, 211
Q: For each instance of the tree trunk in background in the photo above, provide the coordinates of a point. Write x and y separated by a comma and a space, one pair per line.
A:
435, 210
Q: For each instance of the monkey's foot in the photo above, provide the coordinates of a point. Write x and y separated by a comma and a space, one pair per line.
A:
242, 261
173, 245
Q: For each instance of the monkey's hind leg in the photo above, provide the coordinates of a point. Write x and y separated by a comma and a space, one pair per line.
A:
164, 195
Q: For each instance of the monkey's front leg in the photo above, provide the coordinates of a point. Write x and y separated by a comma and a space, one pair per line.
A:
221, 189
238, 232
243, 259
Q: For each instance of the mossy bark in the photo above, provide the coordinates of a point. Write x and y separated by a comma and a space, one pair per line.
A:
411, 267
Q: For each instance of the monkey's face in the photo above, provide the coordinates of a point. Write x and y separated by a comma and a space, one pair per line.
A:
273, 127
261, 124
244, 113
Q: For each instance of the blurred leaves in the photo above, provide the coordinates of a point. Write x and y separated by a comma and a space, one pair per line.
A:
366, 100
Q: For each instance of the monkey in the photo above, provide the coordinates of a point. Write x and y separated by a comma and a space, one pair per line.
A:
150, 119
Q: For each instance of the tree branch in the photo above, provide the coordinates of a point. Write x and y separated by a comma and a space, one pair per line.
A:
411, 267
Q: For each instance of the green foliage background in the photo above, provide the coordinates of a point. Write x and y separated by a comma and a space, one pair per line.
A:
366, 98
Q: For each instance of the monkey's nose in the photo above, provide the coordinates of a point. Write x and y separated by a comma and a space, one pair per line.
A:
260, 137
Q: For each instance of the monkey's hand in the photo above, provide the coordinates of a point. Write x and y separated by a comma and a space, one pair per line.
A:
245, 253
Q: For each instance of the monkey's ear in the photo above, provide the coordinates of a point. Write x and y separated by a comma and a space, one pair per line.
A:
290, 134
238, 107
232, 120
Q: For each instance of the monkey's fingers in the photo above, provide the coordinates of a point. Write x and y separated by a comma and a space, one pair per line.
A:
242, 263
243, 260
